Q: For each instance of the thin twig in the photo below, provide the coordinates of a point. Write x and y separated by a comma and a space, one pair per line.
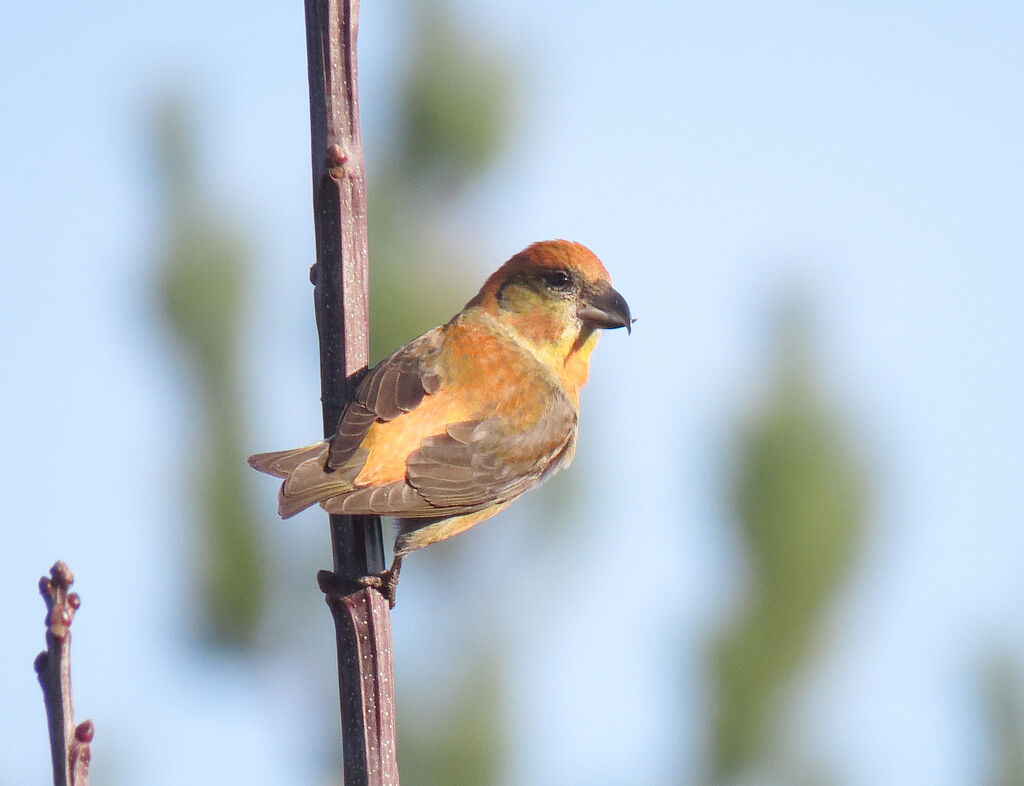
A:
69, 744
341, 280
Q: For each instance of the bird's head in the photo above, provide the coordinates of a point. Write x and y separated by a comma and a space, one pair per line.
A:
554, 296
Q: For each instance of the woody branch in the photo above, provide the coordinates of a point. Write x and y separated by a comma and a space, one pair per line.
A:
69, 744
341, 295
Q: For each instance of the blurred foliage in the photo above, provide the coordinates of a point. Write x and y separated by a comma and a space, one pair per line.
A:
1003, 693
203, 275
459, 739
799, 499
457, 110
453, 120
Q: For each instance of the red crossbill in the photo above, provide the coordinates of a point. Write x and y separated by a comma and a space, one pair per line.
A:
455, 425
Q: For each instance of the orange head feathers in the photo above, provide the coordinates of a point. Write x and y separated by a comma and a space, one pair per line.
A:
551, 256
553, 295
455, 425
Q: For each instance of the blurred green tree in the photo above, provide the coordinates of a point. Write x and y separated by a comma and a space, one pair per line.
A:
799, 498
458, 738
202, 278
453, 120
1003, 695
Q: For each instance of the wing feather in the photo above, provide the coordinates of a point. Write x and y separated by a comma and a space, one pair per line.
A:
395, 385
487, 462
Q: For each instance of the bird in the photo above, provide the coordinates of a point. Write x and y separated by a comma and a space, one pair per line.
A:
457, 424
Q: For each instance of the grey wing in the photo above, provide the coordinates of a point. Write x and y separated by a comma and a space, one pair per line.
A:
475, 464
395, 385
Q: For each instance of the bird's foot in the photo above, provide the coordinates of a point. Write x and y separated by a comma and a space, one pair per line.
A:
385, 583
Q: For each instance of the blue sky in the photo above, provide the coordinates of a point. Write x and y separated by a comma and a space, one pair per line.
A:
713, 155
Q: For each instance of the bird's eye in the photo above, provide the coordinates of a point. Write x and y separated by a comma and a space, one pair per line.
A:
558, 279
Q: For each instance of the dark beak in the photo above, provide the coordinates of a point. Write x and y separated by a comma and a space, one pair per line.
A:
604, 308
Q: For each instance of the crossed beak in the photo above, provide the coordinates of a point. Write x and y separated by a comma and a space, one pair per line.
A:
603, 307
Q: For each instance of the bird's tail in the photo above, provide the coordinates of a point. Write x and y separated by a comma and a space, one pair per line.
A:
306, 479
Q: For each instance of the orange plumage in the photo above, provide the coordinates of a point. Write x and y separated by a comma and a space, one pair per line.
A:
455, 425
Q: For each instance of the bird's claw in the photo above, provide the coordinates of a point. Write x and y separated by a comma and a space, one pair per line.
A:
385, 583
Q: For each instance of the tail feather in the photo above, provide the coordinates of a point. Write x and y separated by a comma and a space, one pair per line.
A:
306, 481
282, 463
